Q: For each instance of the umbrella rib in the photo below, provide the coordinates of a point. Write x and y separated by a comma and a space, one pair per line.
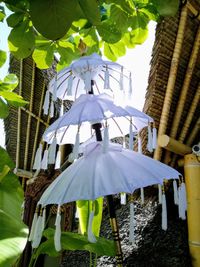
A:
77, 88
64, 133
63, 74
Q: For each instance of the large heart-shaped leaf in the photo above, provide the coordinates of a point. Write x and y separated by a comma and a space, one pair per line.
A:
109, 32
2, 13
53, 18
167, 7
92, 14
4, 111
2, 58
14, 19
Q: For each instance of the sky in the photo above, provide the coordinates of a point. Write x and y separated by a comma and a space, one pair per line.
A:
136, 60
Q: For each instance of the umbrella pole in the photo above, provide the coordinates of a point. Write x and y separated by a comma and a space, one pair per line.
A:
111, 209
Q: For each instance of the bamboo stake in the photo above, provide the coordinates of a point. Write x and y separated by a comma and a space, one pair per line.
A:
184, 91
19, 116
29, 117
172, 79
187, 123
36, 117
38, 125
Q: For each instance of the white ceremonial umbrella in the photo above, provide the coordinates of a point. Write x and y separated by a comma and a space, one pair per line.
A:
99, 173
76, 79
89, 109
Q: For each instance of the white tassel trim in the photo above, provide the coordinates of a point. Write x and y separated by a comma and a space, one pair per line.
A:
132, 224
130, 86
38, 231
58, 160
139, 145
44, 163
159, 194
76, 147
106, 79
61, 109
175, 192
154, 142
164, 212
57, 235
121, 80
87, 81
35, 217
38, 158
54, 95
142, 195
131, 136
182, 205
52, 151
51, 114
91, 237
105, 140
69, 85
150, 140
123, 198
46, 103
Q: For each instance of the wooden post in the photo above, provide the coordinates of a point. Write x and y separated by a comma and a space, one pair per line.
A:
192, 180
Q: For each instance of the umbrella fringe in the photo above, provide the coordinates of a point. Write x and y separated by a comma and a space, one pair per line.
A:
121, 79
52, 151
33, 226
132, 224
182, 205
76, 147
38, 230
69, 85
38, 158
131, 136
139, 145
46, 103
57, 235
150, 139
44, 163
159, 194
61, 109
164, 211
142, 195
51, 113
106, 79
91, 236
123, 198
105, 140
87, 81
175, 192
58, 160
130, 86
154, 141
54, 95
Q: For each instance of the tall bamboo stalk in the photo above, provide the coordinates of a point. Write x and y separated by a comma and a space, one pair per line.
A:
19, 116
172, 79
184, 91
29, 116
38, 125
194, 133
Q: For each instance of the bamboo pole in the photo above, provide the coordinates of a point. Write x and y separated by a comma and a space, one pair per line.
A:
19, 116
193, 10
194, 133
23, 173
172, 79
35, 116
184, 91
173, 145
192, 174
38, 125
187, 123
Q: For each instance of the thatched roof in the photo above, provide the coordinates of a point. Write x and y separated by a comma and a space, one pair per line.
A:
173, 92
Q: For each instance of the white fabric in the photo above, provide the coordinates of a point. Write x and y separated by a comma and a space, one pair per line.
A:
98, 174
164, 212
132, 224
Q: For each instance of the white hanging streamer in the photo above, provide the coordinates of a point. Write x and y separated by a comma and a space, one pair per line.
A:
105, 139
150, 139
106, 79
54, 96
57, 235
139, 144
182, 205
142, 195
132, 224
38, 158
77, 213
52, 151
33, 226
130, 86
44, 163
38, 231
46, 103
61, 109
184, 196
121, 79
159, 194
154, 141
123, 198
131, 136
164, 212
76, 147
58, 160
69, 85
87, 81
175, 192
91, 237
51, 114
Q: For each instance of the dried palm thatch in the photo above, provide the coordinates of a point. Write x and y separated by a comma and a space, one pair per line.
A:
173, 92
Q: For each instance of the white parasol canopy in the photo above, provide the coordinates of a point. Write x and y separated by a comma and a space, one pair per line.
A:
99, 173
76, 79
89, 109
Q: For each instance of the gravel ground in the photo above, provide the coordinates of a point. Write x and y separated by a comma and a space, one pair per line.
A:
153, 247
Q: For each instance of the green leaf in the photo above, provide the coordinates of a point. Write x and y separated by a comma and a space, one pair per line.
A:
108, 52
5, 159
13, 99
10, 81
92, 14
53, 18
14, 19
2, 13
13, 233
44, 55
167, 7
109, 32
21, 40
4, 111
2, 58
5, 171
118, 17
73, 241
